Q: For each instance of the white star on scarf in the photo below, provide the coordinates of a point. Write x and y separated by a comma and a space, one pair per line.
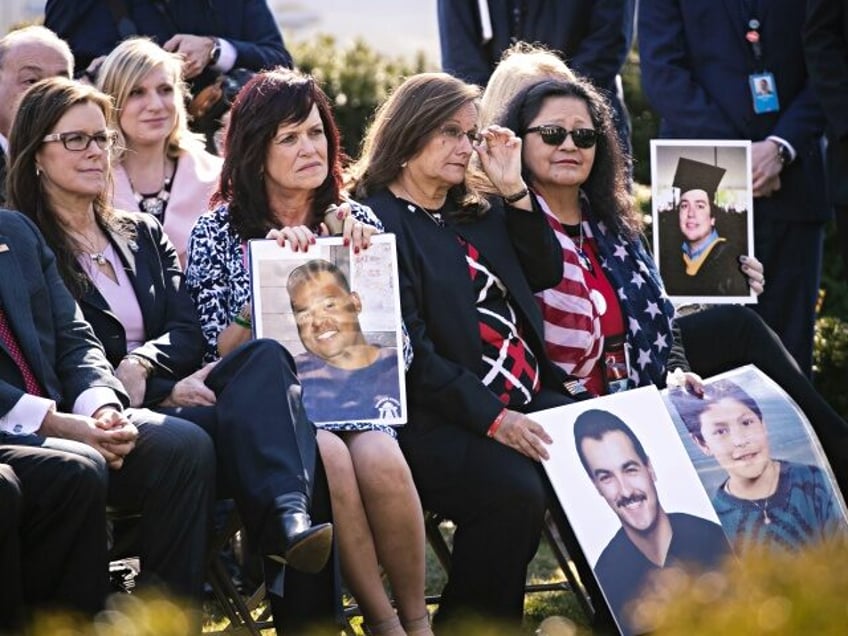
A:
637, 280
634, 376
644, 359
620, 252
622, 294
660, 342
634, 326
653, 310
643, 267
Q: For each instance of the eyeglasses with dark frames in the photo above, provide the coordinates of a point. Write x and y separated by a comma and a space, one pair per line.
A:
554, 135
455, 133
77, 141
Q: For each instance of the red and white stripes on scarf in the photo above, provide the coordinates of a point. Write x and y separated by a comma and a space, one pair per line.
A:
573, 339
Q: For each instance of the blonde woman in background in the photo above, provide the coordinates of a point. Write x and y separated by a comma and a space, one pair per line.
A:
160, 166
522, 64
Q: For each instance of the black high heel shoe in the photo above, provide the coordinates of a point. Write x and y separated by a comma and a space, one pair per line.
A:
307, 547
292, 540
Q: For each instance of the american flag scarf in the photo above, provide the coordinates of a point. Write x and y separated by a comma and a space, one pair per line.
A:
573, 338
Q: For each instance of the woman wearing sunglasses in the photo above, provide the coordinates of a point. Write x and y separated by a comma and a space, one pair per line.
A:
608, 321
575, 168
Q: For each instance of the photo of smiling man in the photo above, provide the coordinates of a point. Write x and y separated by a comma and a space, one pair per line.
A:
343, 376
650, 538
701, 221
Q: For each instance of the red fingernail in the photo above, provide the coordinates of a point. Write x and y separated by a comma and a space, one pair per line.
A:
356, 250
347, 242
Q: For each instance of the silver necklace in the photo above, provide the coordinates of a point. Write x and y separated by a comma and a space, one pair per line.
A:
756, 503
97, 256
581, 254
154, 203
435, 217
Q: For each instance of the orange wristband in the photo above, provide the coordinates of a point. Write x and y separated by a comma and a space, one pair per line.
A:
496, 424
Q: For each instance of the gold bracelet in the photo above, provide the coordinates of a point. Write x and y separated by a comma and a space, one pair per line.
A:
144, 363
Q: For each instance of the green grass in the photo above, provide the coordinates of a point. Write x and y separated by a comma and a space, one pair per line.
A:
537, 606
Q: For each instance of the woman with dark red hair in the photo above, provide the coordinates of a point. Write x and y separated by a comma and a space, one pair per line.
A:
281, 173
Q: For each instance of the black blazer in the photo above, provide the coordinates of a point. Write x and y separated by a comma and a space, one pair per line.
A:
826, 48
174, 341
437, 301
55, 339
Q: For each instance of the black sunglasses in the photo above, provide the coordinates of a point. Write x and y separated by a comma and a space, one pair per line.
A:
554, 135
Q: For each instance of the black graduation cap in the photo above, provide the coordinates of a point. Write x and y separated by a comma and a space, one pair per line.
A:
697, 175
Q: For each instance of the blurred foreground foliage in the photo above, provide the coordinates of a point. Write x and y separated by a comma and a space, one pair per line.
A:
768, 592
147, 613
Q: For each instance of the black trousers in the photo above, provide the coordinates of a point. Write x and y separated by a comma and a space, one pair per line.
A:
52, 533
791, 253
265, 447
168, 481
497, 499
721, 338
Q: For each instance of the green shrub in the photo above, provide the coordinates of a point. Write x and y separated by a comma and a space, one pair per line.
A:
644, 121
356, 79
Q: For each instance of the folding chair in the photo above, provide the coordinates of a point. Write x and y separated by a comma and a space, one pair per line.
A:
553, 536
237, 608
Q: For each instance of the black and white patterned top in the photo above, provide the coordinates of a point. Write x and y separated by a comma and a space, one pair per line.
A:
219, 283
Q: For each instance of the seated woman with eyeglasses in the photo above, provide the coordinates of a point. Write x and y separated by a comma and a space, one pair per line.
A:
124, 272
467, 268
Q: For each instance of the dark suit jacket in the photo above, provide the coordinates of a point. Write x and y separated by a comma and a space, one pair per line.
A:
437, 301
593, 36
695, 67
89, 27
826, 47
174, 341
55, 339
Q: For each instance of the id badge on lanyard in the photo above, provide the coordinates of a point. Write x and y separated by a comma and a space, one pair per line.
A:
761, 83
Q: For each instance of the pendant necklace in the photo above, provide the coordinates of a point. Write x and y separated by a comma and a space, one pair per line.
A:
581, 254
762, 507
96, 256
155, 203
435, 217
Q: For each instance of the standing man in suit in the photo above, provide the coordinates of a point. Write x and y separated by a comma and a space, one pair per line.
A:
57, 390
212, 36
26, 56
702, 61
826, 48
592, 37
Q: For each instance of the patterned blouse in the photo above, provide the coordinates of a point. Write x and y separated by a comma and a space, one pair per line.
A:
219, 284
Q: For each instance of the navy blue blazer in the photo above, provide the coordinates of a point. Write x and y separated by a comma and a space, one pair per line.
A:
437, 302
55, 339
593, 37
826, 47
89, 27
174, 343
695, 65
